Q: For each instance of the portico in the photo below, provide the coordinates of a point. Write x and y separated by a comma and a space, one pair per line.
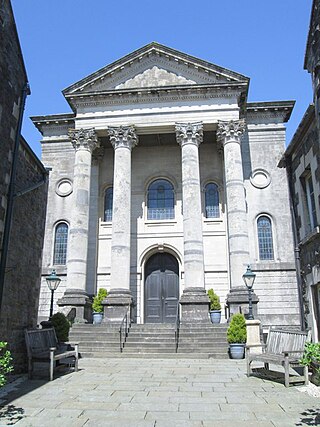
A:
181, 150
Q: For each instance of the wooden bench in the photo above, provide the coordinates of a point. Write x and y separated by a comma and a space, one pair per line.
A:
283, 348
42, 346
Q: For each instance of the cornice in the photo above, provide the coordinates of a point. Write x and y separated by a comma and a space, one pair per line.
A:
156, 95
60, 121
269, 109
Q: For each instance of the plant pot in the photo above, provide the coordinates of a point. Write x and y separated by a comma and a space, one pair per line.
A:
215, 316
97, 318
236, 351
315, 376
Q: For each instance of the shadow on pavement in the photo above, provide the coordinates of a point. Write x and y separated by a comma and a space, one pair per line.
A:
309, 417
10, 414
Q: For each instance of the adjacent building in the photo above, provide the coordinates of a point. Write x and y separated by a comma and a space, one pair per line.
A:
302, 160
23, 191
164, 184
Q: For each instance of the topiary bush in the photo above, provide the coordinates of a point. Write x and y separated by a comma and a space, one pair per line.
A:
5, 363
214, 300
237, 331
97, 306
61, 325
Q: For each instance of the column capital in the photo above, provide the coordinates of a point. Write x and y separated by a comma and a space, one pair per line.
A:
189, 133
230, 130
84, 139
123, 136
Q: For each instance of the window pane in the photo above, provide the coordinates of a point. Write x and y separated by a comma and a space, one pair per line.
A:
108, 201
212, 201
265, 238
60, 244
311, 203
160, 200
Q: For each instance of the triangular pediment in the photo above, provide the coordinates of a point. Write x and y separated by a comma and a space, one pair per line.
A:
154, 66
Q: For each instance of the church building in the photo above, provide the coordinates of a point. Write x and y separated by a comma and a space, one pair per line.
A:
163, 184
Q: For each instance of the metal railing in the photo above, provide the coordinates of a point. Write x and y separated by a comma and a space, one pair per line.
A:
124, 328
177, 327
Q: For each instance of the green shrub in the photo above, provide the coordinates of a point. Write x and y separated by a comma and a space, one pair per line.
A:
97, 306
214, 300
237, 332
311, 353
61, 325
5, 363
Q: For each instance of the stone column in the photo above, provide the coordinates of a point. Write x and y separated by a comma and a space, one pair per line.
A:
229, 133
75, 297
194, 301
123, 139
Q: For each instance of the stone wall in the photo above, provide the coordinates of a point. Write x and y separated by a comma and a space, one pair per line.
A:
12, 81
22, 279
21, 283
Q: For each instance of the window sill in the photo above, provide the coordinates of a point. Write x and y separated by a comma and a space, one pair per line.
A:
212, 220
160, 222
106, 224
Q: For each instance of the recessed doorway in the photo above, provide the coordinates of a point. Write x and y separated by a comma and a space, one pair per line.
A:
161, 288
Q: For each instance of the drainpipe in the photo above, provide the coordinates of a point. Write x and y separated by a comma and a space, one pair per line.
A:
287, 165
10, 197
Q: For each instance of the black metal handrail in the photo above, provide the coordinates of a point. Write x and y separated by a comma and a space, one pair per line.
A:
177, 327
124, 328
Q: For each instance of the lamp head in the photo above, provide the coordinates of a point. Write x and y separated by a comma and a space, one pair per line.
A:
249, 278
53, 281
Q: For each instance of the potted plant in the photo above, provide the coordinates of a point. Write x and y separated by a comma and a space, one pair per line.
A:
215, 306
311, 358
237, 336
97, 306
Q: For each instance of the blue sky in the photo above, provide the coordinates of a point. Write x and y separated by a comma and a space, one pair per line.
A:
65, 40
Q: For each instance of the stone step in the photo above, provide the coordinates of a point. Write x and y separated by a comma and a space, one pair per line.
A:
202, 336
94, 329
131, 355
149, 344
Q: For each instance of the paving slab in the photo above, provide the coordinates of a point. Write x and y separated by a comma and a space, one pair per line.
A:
157, 393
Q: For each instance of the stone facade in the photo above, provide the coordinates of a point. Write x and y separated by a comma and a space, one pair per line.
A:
21, 282
194, 131
302, 160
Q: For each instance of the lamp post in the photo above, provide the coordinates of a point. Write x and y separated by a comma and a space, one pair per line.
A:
53, 282
249, 278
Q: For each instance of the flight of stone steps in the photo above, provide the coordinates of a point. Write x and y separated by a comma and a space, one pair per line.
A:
152, 340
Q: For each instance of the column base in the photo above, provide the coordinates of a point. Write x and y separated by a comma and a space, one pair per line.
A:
238, 301
194, 305
76, 306
115, 306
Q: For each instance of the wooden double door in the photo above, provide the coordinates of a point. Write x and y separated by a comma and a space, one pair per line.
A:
161, 288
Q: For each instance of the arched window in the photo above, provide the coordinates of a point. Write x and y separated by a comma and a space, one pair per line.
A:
212, 200
265, 239
160, 200
108, 200
60, 244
